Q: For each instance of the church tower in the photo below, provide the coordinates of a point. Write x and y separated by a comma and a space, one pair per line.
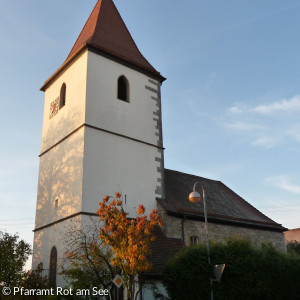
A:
102, 133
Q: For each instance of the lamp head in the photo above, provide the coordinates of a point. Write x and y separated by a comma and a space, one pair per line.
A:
194, 197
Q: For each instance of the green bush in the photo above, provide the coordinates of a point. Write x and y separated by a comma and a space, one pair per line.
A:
251, 273
293, 246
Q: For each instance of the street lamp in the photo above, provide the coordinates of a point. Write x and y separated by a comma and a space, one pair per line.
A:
195, 197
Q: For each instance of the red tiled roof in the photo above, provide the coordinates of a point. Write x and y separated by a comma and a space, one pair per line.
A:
292, 235
223, 205
106, 31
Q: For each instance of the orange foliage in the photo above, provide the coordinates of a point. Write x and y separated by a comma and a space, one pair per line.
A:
128, 238
141, 209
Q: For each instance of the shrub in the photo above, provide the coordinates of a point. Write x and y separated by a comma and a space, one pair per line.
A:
293, 246
250, 272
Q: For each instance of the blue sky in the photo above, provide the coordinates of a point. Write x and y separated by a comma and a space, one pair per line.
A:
231, 102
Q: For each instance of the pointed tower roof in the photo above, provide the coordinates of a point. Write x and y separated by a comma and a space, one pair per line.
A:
106, 33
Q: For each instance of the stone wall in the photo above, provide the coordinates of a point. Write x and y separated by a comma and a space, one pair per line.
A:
176, 227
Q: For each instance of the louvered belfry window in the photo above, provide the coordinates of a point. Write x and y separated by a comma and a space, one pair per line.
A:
123, 89
62, 98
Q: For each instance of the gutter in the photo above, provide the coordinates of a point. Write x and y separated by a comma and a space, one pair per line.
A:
217, 220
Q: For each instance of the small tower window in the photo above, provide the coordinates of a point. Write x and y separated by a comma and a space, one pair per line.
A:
62, 98
194, 240
53, 267
123, 89
56, 203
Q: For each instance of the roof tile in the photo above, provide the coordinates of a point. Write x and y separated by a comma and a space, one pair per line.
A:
106, 31
222, 202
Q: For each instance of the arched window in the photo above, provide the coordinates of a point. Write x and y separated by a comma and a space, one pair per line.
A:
194, 240
62, 98
123, 89
53, 267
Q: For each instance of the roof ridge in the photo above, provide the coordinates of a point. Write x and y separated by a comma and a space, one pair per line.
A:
98, 19
192, 175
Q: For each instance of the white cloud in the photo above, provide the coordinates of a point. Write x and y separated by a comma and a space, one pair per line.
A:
283, 182
266, 125
243, 126
291, 105
257, 134
283, 106
237, 109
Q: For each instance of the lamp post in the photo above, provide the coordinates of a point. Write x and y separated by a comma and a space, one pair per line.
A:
195, 197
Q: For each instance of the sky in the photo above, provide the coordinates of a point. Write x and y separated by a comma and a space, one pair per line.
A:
230, 104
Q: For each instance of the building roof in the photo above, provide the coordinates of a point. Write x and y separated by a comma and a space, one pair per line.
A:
292, 235
162, 249
106, 32
223, 205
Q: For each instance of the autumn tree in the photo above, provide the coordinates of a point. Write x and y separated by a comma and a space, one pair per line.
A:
129, 239
86, 263
34, 279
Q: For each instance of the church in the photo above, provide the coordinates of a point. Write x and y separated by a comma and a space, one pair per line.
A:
102, 133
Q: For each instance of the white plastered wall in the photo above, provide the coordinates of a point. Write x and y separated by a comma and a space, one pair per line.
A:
60, 179
53, 236
60, 236
114, 163
72, 114
61, 162
104, 110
